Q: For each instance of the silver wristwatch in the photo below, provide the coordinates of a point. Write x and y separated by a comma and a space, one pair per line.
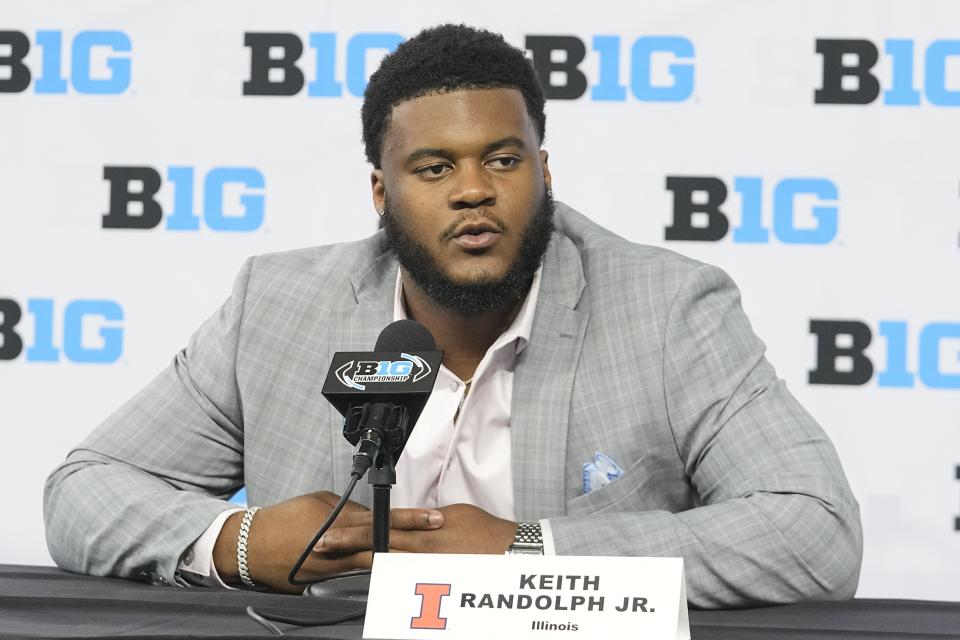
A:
528, 540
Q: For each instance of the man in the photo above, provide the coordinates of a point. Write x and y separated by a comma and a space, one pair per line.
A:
612, 394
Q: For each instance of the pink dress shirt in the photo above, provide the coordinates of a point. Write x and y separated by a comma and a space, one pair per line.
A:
460, 449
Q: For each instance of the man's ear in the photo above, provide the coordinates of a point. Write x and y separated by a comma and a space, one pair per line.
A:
377, 190
547, 178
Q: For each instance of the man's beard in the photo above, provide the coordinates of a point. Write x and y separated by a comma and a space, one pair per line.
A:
482, 295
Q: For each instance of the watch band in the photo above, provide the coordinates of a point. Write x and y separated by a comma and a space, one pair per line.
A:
528, 540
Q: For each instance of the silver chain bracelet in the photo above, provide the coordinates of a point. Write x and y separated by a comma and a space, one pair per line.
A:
242, 547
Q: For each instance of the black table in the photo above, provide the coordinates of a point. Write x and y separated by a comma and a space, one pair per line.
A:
43, 602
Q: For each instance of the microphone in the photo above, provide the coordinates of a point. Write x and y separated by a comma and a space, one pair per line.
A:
382, 393
407, 335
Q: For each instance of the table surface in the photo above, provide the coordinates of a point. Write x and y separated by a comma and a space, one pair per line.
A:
44, 602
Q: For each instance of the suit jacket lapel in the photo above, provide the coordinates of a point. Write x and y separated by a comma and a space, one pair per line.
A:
542, 385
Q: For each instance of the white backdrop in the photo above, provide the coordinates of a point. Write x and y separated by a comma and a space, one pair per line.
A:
160, 85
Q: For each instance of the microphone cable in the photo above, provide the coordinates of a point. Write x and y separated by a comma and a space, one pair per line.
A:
362, 461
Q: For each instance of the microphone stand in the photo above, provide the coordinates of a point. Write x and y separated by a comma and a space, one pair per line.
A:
382, 474
382, 477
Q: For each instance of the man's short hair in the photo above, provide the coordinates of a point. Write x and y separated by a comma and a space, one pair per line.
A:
441, 59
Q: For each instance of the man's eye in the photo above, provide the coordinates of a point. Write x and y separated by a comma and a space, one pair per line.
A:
433, 170
504, 162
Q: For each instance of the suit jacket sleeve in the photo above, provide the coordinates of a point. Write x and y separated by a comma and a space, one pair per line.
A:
149, 480
776, 521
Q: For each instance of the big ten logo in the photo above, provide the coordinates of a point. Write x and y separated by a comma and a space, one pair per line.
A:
697, 213
842, 358
659, 68
134, 204
274, 57
385, 368
99, 62
848, 76
90, 329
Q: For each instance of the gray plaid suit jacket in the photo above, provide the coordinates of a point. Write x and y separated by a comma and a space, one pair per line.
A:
635, 351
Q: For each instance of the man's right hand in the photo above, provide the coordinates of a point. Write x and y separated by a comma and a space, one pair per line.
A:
280, 532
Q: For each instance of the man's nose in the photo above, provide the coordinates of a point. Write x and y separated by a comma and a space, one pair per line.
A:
472, 187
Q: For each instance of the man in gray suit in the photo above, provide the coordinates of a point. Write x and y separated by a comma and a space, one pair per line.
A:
611, 395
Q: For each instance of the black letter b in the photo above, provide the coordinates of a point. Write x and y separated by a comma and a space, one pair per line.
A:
19, 78
684, 207
119, 216
828, 351
576, 83
834, 72
261, 63
12, 343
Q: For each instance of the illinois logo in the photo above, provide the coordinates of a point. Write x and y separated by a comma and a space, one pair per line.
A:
431, 595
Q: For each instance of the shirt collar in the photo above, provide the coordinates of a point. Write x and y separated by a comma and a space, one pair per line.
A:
519, 330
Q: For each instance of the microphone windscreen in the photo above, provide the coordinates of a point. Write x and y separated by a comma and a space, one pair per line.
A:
405, 335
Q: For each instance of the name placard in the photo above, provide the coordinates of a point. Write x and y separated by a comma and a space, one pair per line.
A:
456, 597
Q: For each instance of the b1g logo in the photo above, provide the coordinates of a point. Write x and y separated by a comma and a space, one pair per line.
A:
274, 69
99, 62
102, 315
659, 68
411, 368
841, 357
848, 76
697, 215
133, 203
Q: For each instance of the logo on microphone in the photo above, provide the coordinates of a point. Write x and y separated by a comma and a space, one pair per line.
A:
411, 368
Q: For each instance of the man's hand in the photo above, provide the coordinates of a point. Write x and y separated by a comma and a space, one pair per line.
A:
465, 529
280, 532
